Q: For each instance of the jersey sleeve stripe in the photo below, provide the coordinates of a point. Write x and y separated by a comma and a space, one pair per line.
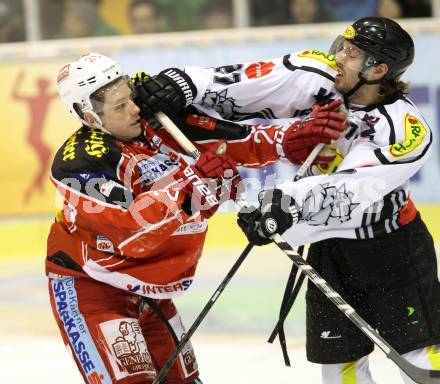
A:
383, 111
292, 67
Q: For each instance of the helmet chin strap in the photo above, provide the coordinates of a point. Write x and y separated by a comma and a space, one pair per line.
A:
360, 83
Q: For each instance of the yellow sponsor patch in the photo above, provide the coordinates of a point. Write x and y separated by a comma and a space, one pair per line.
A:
95, 144
69, 150
415, 132
330, 151
349, 33
321, 56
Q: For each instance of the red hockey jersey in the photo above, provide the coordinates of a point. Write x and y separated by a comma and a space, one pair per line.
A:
122, 221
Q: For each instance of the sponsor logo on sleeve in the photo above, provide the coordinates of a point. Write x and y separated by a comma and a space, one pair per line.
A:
260, 69
104, 244
415, 132
320, 56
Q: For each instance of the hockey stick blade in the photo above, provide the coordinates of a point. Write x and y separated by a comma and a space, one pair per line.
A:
419, 375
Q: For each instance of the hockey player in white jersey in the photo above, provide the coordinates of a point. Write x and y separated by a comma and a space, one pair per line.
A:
368, 240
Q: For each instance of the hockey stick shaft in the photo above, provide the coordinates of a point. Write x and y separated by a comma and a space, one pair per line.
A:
202, 315
419, 375
190, 148
308, 162
177, 135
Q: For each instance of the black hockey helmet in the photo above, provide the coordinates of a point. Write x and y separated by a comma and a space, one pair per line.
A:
384, 41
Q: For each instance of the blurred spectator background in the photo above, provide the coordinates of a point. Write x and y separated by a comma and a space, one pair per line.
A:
392, 9
144, 16
307, 11
11, 21
85, 18
217, 14
278, 12
81, 18
342, 10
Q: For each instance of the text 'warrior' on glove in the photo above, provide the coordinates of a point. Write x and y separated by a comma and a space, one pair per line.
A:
277, 213
211, 181
323, 125
170, 91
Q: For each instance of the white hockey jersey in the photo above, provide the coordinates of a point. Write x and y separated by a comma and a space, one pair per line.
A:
365, 191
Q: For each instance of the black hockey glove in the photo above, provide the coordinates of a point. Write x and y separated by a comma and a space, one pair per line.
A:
170, 91
276, 214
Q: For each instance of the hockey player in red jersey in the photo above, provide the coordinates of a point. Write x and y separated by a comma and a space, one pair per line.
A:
134, 217
369, 241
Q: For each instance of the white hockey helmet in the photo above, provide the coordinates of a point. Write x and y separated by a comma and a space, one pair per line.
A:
78, 80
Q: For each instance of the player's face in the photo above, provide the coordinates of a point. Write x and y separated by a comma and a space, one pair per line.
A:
120, 115
349, 60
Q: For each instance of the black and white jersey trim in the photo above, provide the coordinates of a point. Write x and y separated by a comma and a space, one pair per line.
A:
384, 112
292, 67
383, 216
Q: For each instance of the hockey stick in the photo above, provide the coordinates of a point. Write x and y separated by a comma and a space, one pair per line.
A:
419, 375
189, 147
308, 162
202, 315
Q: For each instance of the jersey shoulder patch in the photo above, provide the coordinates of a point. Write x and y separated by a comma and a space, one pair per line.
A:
89, 142
87, 150
321, 56
415, 132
